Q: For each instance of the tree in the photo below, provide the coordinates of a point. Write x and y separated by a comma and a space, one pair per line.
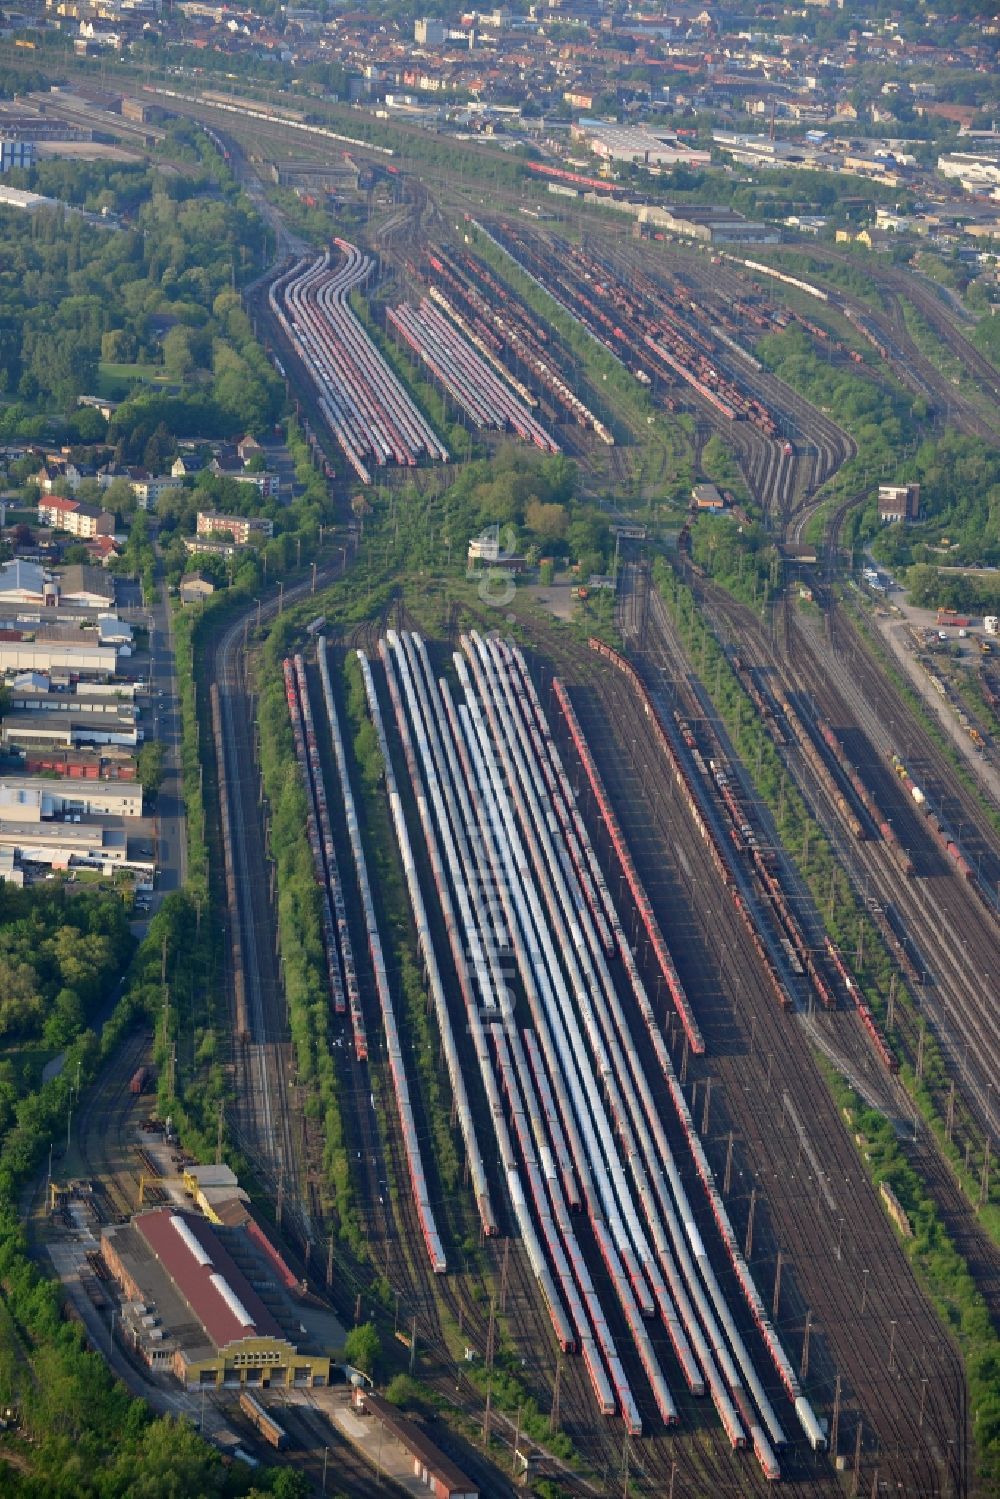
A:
548, 521
119, 497
363, 1347
178, 356
150, 767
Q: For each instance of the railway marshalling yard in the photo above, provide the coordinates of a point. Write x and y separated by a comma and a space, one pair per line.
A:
661, 1222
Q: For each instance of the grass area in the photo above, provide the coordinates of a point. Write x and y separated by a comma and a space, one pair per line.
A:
116, 380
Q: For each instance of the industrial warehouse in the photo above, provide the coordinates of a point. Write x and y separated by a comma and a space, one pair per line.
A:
191, 1307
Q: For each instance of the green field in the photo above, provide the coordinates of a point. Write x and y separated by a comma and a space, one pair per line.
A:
115, 380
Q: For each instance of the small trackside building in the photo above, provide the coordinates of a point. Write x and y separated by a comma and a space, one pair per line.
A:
190, 1308
430, 1465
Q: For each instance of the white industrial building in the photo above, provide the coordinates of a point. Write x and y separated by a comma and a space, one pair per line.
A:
39, 798
975, 172
70, 728
642, 147
25, 583
79, 658
64, 845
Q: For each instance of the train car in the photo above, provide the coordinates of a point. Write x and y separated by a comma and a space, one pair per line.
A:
266, 1425
140, 1078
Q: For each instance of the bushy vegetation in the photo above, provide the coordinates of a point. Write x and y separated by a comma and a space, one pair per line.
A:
57, 950
743, 559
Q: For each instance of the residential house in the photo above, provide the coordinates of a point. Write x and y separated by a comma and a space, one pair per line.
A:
196, 588
240, 527
267, 485
85, 521
146, 487
248, 447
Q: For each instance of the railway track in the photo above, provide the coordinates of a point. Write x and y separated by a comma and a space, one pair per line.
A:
941, 1003
949, 960
757, 1046
106, 1153
864, 1226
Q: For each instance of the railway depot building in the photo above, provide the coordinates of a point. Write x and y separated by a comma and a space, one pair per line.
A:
203, 1303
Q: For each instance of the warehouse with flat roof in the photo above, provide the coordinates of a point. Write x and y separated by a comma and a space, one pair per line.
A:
190, 1306
35, 798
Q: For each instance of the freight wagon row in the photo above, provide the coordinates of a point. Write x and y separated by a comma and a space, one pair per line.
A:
637, 330
397, 1069
315, 838
765, 871
229, 865
501, 322
641, 1218
365, 406
463, 1111
344, 987
720, 857
467, 378
704, 1171
939, 829
801, 954
795, 723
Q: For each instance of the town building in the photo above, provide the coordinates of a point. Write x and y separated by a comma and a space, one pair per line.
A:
196, 588
429, 33
898, 502
17, 155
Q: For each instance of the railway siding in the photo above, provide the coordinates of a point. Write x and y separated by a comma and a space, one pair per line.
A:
953, 1287
749, 1039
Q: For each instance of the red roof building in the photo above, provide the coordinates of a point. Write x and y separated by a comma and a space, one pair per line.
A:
189, 1307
